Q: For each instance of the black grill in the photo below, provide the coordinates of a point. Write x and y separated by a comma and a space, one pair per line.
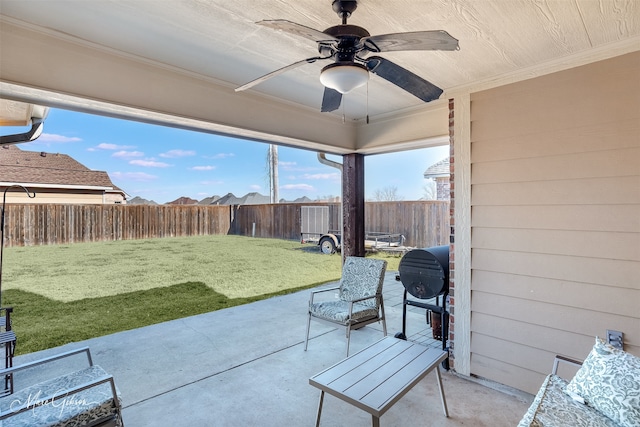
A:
424, 273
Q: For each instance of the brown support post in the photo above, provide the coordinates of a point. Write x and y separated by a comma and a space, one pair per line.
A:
353, 205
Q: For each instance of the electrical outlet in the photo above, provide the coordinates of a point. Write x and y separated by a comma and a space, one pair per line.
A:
615, 339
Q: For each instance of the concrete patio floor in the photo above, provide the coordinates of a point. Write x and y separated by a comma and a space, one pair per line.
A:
245, 366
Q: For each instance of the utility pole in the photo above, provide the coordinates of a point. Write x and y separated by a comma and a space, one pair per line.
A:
273, 173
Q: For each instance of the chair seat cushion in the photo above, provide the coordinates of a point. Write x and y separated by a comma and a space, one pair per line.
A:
552, 407
78, 409
338, 311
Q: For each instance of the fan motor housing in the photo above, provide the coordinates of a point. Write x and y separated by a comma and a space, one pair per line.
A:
347, 30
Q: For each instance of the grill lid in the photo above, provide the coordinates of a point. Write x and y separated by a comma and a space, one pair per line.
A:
425, 272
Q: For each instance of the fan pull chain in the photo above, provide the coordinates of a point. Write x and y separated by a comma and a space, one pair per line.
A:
367, 101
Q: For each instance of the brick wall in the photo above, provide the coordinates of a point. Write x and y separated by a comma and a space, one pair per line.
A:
452, 236
443, 187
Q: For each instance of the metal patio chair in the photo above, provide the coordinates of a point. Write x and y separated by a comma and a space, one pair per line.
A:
359, 301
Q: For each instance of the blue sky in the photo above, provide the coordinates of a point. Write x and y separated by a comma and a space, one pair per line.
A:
161, 163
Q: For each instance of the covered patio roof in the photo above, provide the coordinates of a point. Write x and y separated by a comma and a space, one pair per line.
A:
177, 63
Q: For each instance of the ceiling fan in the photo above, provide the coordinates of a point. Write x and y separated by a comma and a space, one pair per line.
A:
349, 46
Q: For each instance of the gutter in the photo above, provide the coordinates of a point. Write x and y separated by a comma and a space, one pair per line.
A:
322, 158
65, 186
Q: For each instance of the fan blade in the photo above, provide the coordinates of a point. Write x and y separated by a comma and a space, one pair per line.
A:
298, 30
418, 40
279, 71
403, 78
330, 100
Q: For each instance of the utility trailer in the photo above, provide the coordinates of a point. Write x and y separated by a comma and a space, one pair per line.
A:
315, 223
331, 241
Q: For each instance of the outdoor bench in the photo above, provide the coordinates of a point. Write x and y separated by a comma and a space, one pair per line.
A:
86, 397
605, 392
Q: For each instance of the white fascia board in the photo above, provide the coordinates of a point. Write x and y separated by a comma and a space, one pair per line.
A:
30, 185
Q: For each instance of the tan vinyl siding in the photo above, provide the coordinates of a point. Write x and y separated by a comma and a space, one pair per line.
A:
555, 219
49, 196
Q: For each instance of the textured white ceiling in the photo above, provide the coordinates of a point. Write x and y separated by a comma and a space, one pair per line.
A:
218, 40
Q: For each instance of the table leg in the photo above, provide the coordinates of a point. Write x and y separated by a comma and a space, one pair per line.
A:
444, 400
319, 408
375, 421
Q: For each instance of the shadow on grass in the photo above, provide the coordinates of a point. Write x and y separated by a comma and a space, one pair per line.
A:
41, 323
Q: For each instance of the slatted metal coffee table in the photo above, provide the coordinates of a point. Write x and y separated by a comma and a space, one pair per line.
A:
375, 378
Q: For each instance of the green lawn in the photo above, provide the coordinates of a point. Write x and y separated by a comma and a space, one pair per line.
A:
68, 293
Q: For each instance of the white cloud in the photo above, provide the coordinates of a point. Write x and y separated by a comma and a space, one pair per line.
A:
52, 137
203, 168
133, 176
287, 165
106, 146
293, 167
171, 154
149, 163
123, 154
255, 187
305, 187
334, 175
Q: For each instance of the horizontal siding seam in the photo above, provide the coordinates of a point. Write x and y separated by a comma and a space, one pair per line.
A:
523, 343
551, 155
548, 278
580, 178
571, 230
510, 205
524, 368
513, 251
591, 310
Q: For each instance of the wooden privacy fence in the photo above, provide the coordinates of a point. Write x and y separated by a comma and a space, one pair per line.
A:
423, 223
46, 224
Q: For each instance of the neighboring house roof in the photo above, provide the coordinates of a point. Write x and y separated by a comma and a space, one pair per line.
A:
209, 200
440, 169
140, 201
183, 201
248, 199
303, 199
51, 170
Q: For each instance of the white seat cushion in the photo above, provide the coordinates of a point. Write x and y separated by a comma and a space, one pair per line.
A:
78, 409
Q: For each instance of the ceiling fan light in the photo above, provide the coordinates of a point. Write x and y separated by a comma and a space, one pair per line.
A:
344, 77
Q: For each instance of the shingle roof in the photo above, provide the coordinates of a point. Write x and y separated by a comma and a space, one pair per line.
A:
34, 167
438, 169
253, 198
183, 201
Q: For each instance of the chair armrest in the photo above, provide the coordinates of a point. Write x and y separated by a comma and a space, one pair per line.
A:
335, 288
365, 298
49, 359
564, 359
314, 293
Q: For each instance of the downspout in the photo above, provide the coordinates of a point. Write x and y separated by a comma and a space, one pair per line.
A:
322, 158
